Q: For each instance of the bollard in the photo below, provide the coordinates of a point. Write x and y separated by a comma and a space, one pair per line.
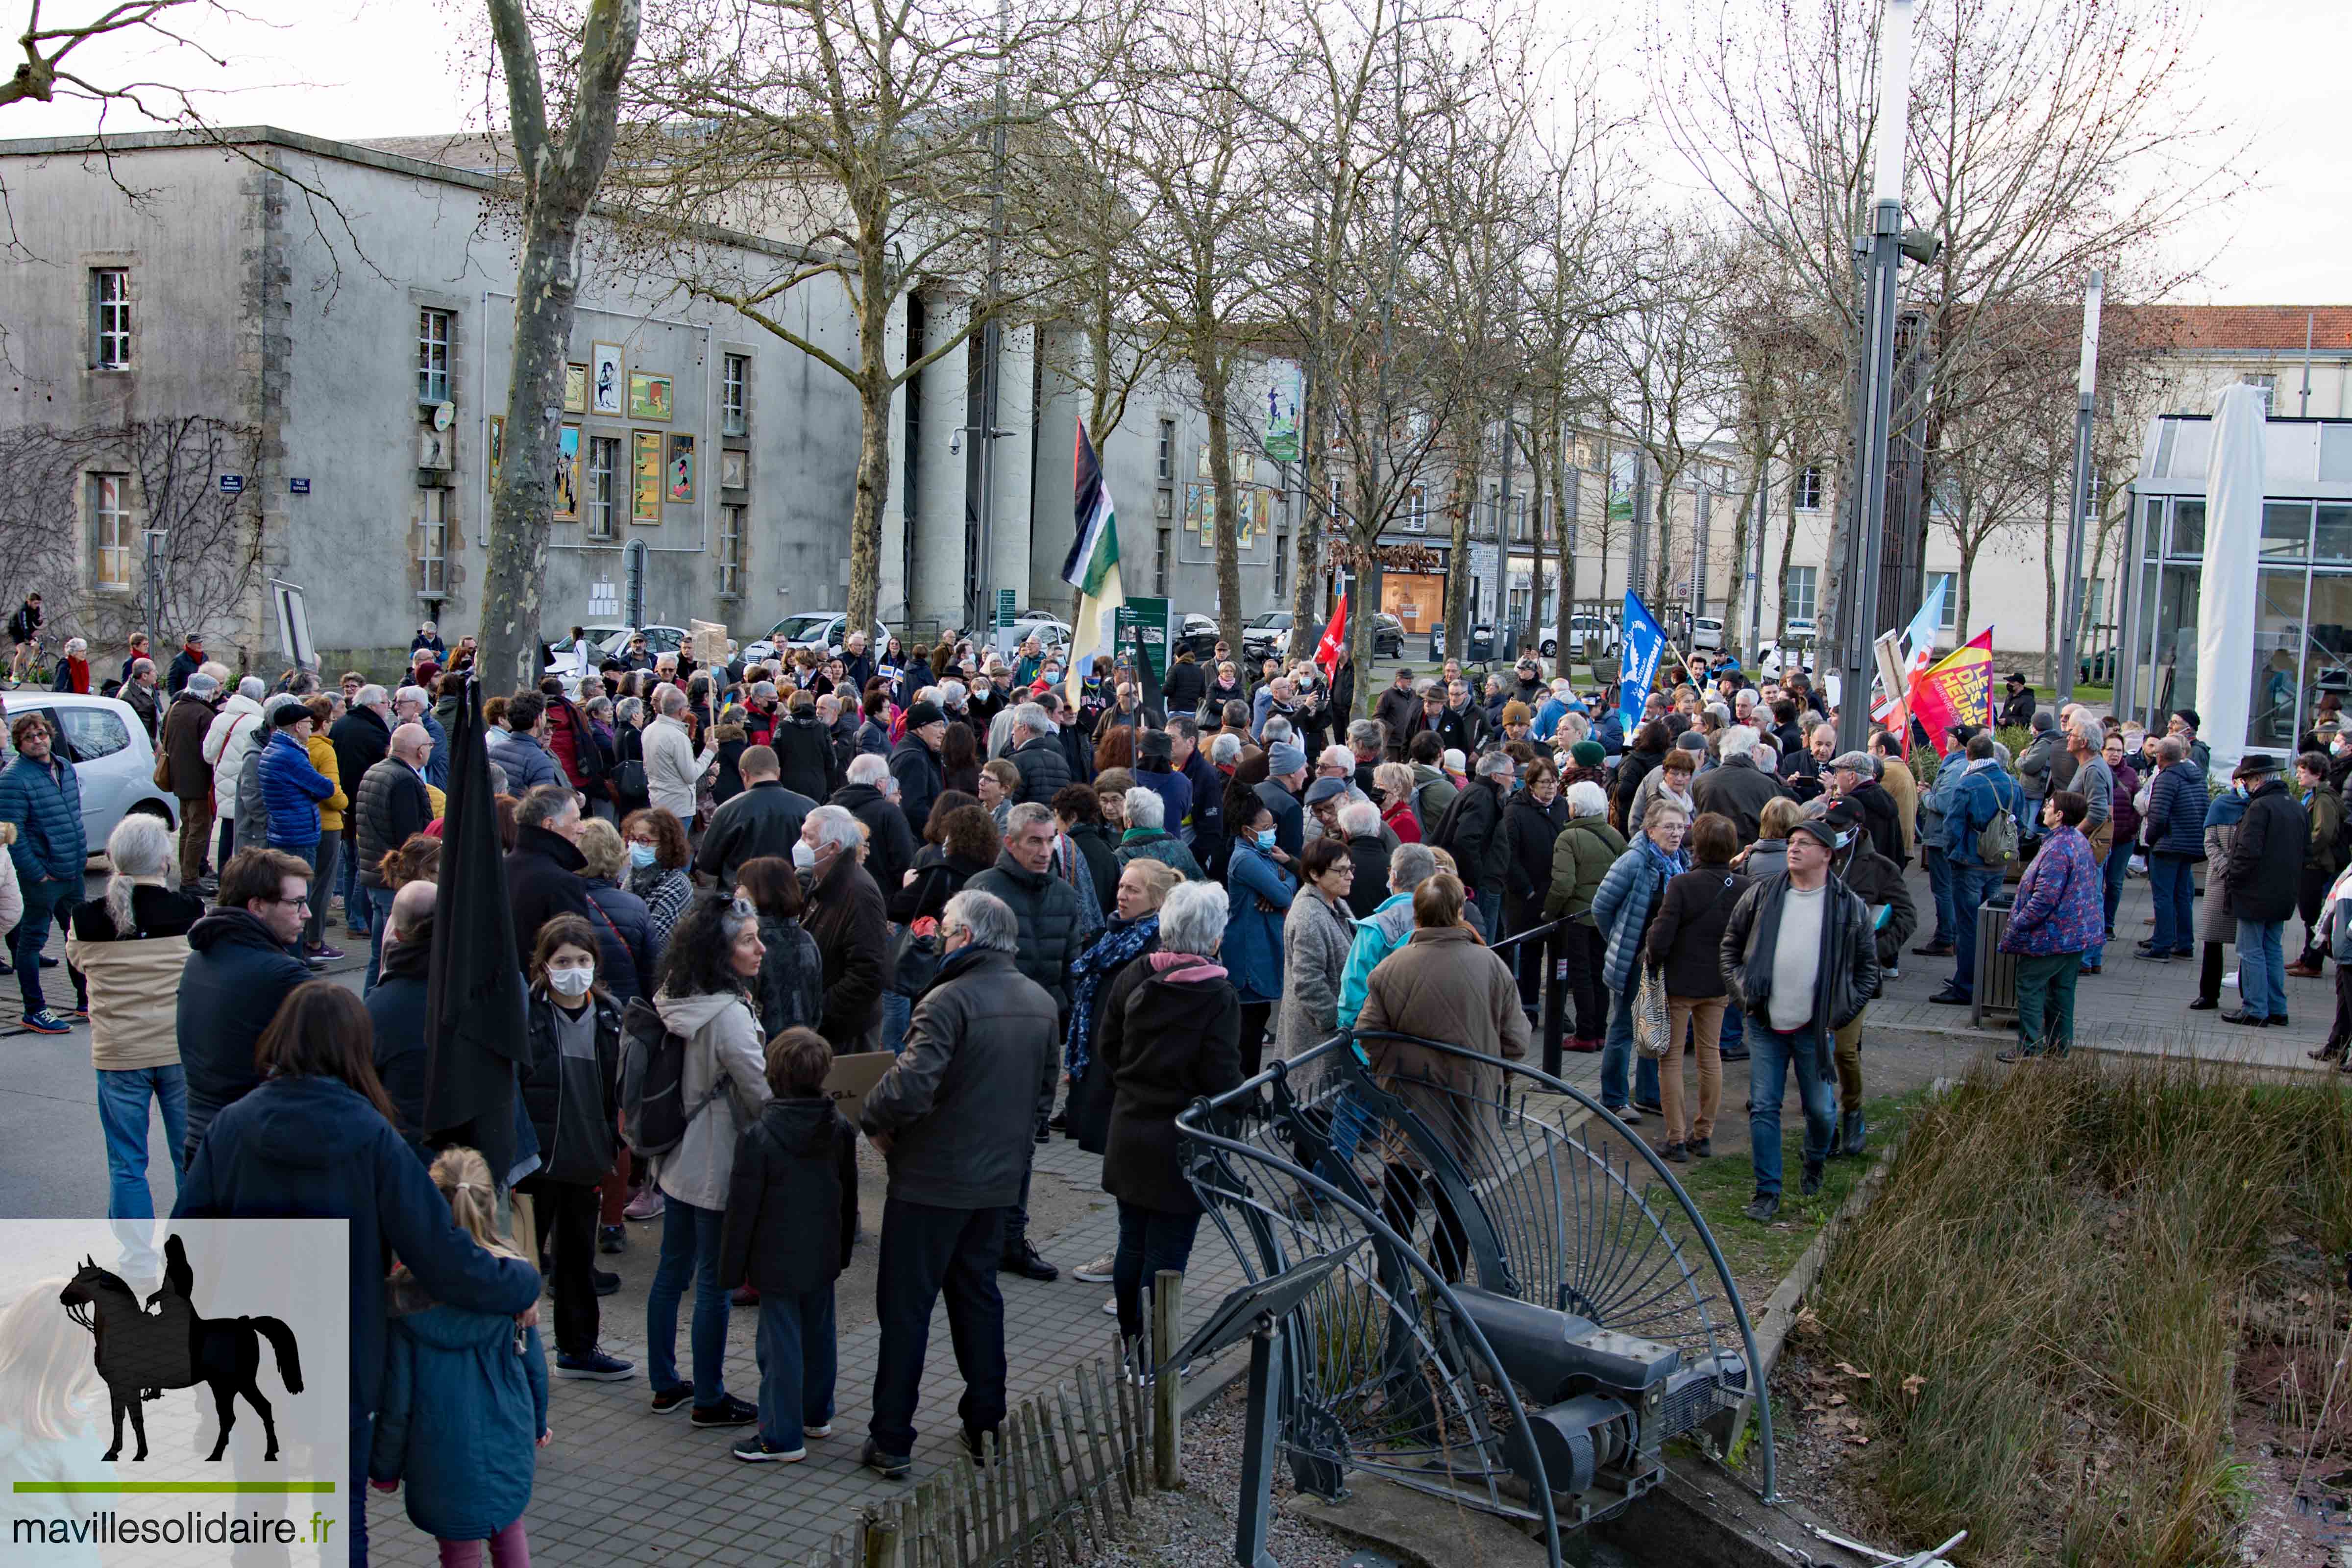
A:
1167, 1320
1555, 997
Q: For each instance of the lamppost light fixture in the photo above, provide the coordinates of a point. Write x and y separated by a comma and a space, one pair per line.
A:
1894, 101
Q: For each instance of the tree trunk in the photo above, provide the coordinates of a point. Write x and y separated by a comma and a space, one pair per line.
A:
874, 388
1781, 582
1662, 563
1537, 472
1211, 369
1739, 539
1462, 495
1566, 486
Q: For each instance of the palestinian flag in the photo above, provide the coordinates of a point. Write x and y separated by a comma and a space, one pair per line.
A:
1092, 568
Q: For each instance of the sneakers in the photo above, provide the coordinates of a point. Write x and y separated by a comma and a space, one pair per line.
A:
1624, 1113
612, 1238
1649, 1107
1951, 996
670, 1400
646, 1205
1110, 1306
1026, 1261
757, 1450
595, 1366
1096, 1272
76, 1013
323, 952
1679, 1154
1702, 1148
1763, 1209
1812, 1185
729, 1412
817, 1429
46, 1021
890, 1467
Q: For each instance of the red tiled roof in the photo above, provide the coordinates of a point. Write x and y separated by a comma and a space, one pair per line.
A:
2276, 329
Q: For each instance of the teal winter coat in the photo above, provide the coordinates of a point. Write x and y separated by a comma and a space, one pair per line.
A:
465, 1399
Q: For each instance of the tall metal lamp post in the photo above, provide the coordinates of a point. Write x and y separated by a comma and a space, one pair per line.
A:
1858, 615
2086, 380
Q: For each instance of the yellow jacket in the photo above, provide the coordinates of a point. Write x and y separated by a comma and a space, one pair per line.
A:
331, 810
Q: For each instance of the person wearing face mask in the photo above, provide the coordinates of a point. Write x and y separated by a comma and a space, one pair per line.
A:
659, 858
568, 1091
1260, 887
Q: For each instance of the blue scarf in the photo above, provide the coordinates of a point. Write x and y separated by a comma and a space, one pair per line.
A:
1119, 942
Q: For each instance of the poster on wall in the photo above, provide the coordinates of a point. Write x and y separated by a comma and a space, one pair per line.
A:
567, 474
681, 468
646, 476
648, 396
497, 444
1253, 512
575, 388
605, 386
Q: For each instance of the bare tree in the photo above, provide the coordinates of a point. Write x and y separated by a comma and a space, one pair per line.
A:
48, 70
558, 162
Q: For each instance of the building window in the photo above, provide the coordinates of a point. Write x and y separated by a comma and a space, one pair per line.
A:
1165, 547
736, 370
603, 458
109, 318
1166, 461
433, 546
730, 551
109, 516
1951, 582
2268, 385
432, 328
1809, 488
1281, 567
1413, 516
1800, 606
2095, 603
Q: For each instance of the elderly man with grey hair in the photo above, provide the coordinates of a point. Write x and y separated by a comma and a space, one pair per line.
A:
952, 1120
1738, 787
414, 705
1037, 752
185, 725
867, 794
1147, 837
235, 734
672, 766
848, 914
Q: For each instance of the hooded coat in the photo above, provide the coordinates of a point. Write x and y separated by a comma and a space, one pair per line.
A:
805, 756
465, 1399
1171, 1035
722, 1038
791, 1200
544, 881
235, 978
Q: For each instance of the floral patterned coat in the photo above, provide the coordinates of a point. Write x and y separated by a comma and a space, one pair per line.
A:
2062, 901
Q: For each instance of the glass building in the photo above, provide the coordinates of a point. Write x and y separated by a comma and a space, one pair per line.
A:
2302, 664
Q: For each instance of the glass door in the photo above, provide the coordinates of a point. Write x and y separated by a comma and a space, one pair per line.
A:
2274, 696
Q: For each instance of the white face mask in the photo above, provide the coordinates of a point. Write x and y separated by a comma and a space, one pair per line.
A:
805, 856
572, 980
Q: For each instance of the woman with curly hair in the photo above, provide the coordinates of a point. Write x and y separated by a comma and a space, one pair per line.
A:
659, 857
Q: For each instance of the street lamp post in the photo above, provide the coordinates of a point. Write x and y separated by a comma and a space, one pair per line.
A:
2070, 612
1867, 517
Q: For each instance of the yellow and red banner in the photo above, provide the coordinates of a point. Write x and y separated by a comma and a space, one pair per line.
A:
1957, 690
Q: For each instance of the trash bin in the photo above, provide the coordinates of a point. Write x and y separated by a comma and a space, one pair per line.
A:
1995, 995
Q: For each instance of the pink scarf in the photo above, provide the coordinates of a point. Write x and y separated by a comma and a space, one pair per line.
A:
1185, 966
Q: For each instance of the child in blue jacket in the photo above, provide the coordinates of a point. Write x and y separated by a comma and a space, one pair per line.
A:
472, 1389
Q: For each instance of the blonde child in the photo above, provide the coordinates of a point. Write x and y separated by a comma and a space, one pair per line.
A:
471, 1387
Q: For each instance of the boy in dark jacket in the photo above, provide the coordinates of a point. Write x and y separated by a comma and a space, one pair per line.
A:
792, 1215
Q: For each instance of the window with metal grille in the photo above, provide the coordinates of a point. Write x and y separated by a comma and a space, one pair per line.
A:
603, 458
735, 371
1281, 567
432, 328
109, 318
433, 546
730, 550
109, 516
1809, 488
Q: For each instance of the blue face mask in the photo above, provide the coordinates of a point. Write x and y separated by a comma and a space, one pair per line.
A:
1266, 840
642, 854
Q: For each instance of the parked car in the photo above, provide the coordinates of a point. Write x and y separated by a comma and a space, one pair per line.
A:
1773, 659
112, 759
1801, 629
1198, 632
822, 629
1706, 632
1388, 637
1580, 628
609, 642
1266, 636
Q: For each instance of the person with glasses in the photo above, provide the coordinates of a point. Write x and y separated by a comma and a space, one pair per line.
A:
241, 965
41, 798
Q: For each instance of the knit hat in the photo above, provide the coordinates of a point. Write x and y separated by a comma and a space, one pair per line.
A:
1587, 753
2188, 717
1285, 760
2044, 720
923, 714
1691, 740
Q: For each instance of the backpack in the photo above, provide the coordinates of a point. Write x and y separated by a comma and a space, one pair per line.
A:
653, 1114
1997, 840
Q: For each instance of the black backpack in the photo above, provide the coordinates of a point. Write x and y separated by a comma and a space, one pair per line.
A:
654, 1112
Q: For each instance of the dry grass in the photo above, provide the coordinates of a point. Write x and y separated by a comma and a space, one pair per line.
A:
2046, 1294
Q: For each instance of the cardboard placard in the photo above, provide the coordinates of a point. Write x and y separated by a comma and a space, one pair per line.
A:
853, 1078
709, 641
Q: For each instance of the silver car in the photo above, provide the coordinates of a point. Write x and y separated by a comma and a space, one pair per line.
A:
113, 761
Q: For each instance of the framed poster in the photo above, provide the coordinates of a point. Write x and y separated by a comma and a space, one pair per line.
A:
575, 389
567, 474
681, 468
645, 476
604, 380
734, 469
497, 444
648, 396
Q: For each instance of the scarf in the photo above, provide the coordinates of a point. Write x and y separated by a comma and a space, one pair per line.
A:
1119, 942
1185, 966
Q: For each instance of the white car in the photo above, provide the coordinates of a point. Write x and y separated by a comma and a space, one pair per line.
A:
112, 759
824, 630
1579, 628
1706, 632
610, 642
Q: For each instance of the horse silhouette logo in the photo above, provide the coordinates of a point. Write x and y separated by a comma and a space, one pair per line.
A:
140, 1351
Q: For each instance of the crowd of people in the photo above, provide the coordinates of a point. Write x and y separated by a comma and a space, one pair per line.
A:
1060, 918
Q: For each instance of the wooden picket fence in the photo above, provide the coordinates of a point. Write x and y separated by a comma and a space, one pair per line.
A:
1069, 1462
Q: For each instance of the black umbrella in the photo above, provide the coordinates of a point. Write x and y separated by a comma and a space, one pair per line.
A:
475, 1016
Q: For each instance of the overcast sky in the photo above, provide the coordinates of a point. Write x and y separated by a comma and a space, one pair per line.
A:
368, 67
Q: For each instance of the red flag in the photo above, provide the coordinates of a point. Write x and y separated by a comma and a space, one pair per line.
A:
1335, 638
1958, 691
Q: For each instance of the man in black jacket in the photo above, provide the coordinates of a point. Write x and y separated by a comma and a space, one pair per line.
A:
1799, 960
765, 819
1037, 752
184, 663
543, 869
1207, 820
361, 738
1395, 709
915, 763
889, 847
1737, 788
849, 918
1476, 840
1855, 776
241, 965
952, 1117
2266, 864
390, 805
1051, 932
804, 752
395, 1005
1286, 777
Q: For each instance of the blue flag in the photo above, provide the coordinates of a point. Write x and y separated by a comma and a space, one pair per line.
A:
1643, 645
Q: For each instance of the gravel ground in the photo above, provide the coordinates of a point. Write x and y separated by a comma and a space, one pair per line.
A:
1194, 1528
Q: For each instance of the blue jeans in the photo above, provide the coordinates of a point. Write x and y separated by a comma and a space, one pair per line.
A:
689, 1249
2262, 967
1771, 1054
123, 1096
1617, 1054
897, 1011
1939, 882
2117, 867
1971, 885
46, 900
379, 903
1735, 1027
1150, 1240
2172, 878
797, 1365
1483, 911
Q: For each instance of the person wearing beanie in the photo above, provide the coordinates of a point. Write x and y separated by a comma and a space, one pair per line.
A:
915, 763
1286, 782
2018, 710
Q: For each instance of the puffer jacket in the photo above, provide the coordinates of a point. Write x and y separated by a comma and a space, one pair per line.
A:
331, 810
393, 803
959, 1103
1044, 772
235, 732
1052, 931
1628, 896
722, 1038
2177, 802
293, 793
43, 800
1378, 935
791, 982
1580, 858
1844, 984
1136, 843
462, 1408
